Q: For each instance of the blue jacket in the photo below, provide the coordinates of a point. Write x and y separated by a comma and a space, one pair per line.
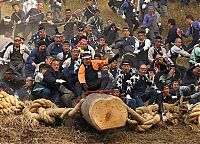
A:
162, 2
36, 56
127, 9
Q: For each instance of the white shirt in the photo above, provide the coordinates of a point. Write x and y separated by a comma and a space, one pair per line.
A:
27, 5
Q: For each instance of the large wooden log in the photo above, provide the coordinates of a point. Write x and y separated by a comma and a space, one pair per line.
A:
104, 111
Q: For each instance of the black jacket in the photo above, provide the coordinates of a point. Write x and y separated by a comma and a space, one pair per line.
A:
49, 80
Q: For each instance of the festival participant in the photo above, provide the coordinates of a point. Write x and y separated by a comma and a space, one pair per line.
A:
70, 70
62, 56
37, 56
84, 47
18, 16
152, 23
38, 36
124, 74
88, 73
195, 54
89, 10
173, 33
97, 22
11, 82
128, 12
137, 92
55, 84
15, 55
33, 18
157, 48
193, 29
177, 50
6, 27
80, 35
56, 46
55, 6
144, 45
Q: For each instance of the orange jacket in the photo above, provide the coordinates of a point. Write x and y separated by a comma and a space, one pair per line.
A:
96, 64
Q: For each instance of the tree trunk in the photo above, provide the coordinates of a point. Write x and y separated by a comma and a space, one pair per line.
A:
104, 111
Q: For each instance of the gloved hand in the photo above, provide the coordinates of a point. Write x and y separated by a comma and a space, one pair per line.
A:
164, 118
59, 4
159, 24
85, 87
19, 22
60, 81
123, 16
136, 51
27, 20
128, 96
144, 6
50, 22
146, 30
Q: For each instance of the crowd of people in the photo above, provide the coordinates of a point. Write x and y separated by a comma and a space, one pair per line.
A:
135, 63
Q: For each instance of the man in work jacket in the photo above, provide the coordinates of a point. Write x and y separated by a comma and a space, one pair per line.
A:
14, 53
89, 73
194, 30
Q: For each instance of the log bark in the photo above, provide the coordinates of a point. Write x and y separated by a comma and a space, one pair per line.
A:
104, 111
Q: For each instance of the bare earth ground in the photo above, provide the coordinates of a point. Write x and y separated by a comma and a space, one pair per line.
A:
14, 129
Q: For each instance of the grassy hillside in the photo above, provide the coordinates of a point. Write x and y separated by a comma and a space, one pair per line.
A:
174, 8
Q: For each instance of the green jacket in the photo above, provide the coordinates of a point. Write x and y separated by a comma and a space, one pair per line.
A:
195, 55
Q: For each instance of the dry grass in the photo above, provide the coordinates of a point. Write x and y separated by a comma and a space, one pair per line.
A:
174, 8
14, 129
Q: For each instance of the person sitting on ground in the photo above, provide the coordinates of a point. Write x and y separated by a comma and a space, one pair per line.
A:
37, 56
110, 32
177, 50
56, 47
157, 48
124, 74
144, 45
38, 36
88, 73
84, 47
15, 54
175, 89
190, 85
24, 92
103, 48
137, 92
38, 88
113, 69
11, 82
92, 39
70, 70
62, 56
161, 63
80, 35
6, 26
195, 54
105, 73
55, 84
116, 92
